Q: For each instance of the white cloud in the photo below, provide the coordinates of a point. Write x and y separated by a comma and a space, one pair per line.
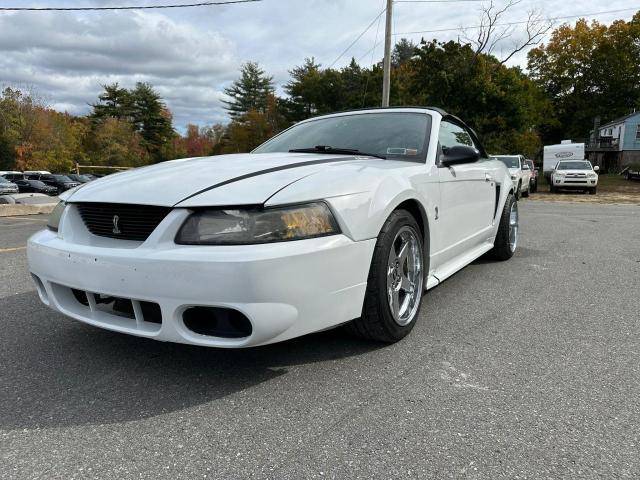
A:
189, 55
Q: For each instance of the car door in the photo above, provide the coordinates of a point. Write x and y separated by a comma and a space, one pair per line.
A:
467, 195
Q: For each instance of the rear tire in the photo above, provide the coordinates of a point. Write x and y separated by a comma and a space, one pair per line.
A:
507, 238
389, 312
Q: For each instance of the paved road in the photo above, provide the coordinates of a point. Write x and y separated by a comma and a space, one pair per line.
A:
524, 369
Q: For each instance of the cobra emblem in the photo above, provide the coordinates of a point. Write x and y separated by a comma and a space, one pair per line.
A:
116, 229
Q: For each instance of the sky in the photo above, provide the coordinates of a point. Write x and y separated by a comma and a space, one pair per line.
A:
190, 55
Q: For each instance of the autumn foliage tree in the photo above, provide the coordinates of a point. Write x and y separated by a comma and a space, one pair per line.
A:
589, 70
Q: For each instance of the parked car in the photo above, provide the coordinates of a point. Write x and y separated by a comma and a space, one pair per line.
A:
633, 171
7, 187
345, 218
37, 172
61, 182
520, 173
4, 173
13, 176
533, 181
35, 186
575, 175
79, 178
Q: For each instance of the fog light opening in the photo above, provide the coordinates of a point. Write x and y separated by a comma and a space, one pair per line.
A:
217, 322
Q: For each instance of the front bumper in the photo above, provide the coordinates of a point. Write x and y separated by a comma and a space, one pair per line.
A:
284, 289
577, 183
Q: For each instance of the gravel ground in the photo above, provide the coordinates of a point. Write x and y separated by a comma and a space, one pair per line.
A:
523, 369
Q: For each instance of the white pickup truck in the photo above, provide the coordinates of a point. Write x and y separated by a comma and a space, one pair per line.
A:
520, 173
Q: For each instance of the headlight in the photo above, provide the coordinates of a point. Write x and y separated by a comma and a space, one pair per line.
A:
559, 174
592, 175
245, 227
513, 177
54, 219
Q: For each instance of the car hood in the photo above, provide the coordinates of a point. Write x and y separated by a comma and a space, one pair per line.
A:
240, 179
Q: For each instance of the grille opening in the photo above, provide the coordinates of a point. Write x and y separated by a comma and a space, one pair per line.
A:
121, 221
151, 312
217, 322
121, 307
80, 296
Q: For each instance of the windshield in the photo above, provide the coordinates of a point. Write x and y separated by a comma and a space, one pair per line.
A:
397, 136
36, 183
62, 178
510, 162
4, 180
575, 165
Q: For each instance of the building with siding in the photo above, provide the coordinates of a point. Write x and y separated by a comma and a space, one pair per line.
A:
615, 144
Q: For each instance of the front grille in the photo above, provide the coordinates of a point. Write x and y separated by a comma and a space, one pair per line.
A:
122, 221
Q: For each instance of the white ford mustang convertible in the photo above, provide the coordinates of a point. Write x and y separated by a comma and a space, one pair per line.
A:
341, 219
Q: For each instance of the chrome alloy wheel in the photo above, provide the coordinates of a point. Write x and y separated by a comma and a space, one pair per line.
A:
514, 221
404, 276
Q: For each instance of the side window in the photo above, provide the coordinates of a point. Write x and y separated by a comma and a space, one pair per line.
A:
451, 135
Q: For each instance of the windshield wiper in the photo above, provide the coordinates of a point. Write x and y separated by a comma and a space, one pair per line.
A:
338, 151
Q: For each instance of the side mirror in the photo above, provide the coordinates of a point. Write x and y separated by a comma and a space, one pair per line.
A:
525, 167
596, 168
460, 154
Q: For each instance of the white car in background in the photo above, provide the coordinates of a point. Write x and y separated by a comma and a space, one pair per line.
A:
520, 173
575, 175
341, 219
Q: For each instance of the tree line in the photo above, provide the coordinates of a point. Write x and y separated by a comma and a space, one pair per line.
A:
583, 71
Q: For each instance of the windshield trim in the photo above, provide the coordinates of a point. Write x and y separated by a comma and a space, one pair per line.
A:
417, 159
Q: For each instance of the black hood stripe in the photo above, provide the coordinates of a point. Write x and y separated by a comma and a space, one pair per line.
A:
271, 170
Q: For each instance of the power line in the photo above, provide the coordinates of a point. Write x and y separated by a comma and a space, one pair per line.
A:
521, 22
357, 39
436, 1
375, 44
149, 7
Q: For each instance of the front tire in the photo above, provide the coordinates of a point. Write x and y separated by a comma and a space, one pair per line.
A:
592, 191
396, 282
507, 237
525, 194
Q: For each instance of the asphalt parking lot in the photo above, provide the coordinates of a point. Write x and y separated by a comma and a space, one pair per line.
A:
523, 369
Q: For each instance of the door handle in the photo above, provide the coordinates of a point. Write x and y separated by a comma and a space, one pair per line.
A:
488, 177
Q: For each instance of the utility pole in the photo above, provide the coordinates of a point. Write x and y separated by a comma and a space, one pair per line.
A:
386, 82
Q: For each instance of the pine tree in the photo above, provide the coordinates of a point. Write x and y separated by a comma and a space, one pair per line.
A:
404, 51
250, 92
114, 102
